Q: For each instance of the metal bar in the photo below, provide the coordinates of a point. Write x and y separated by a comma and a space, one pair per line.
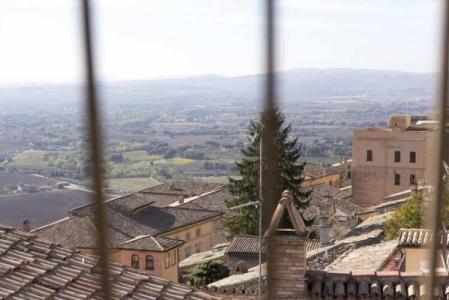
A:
260, 209
95, 139
270, 174
434, 217
270, 157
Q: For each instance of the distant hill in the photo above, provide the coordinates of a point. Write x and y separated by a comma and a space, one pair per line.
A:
294, 85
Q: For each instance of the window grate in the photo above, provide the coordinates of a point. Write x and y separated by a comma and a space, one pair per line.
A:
270, 173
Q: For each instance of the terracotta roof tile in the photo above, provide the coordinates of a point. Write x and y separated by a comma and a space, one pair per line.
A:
150, 243
185, 188
80, 232
249, 244
416, 237
33, 268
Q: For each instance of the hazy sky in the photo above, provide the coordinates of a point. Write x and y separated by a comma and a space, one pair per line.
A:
137, 39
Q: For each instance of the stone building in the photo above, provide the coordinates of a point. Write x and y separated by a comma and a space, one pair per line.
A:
389, 160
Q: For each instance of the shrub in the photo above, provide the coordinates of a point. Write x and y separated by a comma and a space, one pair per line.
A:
208, 272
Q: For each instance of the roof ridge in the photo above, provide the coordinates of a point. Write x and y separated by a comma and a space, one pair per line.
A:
193, 209
157, 243
52, 223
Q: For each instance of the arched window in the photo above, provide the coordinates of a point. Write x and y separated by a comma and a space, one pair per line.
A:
135, 261
149, 262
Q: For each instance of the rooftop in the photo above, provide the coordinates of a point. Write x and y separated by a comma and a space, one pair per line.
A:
370, 258
150, 243
249, 244
217, 252
184, 188
35, 268
416, 237
124, 224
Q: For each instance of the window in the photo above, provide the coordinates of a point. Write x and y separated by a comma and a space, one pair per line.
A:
149, 262
187, 252
369, 155
198, 232
397, 179
412, 156
412, 179
397, 156
167, 260
135, 261
188, 236
198, 247
173, 257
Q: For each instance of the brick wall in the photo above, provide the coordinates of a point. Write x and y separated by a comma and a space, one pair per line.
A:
286, 269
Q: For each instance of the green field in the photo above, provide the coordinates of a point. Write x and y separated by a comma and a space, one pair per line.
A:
131, 184
178, 161
30, 158
140, 156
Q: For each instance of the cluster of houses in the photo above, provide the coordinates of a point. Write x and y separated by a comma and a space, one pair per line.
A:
157, 236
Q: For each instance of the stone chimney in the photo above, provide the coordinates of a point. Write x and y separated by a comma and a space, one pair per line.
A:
324, 230
26, 225
286, 252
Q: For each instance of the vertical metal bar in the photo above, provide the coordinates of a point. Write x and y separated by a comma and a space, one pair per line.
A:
439, 141
95, 139
260, 209
270, 157
271, 188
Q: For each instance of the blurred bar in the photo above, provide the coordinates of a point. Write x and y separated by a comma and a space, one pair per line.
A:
95, 146
439, 143
271, 190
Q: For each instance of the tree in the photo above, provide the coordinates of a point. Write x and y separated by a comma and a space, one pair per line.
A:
246, 189
410, 215
116, 158
208, 272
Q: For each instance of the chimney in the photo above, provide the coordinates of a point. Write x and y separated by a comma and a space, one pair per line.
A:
324, 230
327, 210
286, 252
26, 225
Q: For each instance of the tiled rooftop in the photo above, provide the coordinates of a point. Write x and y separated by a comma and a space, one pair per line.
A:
373, 285
244, 244
217, 252
184, 188
314, 170
34, 268
366, 258
150, 243
79, 231
215, 200
416, 237
365, 234
249, 244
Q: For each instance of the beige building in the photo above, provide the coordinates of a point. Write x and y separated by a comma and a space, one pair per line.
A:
389, 160
151, 230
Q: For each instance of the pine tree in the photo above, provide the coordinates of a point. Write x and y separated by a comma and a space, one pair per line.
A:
246, 189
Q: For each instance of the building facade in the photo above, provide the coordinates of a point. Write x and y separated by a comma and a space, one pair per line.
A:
389, 160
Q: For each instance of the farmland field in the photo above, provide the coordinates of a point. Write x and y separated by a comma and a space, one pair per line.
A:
131, 184
40, 208
140, 156
30, 158
14, 179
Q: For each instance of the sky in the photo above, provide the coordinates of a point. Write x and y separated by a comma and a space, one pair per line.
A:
40, 41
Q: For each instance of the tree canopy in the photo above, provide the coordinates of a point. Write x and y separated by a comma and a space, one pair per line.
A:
208, 272
246, 189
